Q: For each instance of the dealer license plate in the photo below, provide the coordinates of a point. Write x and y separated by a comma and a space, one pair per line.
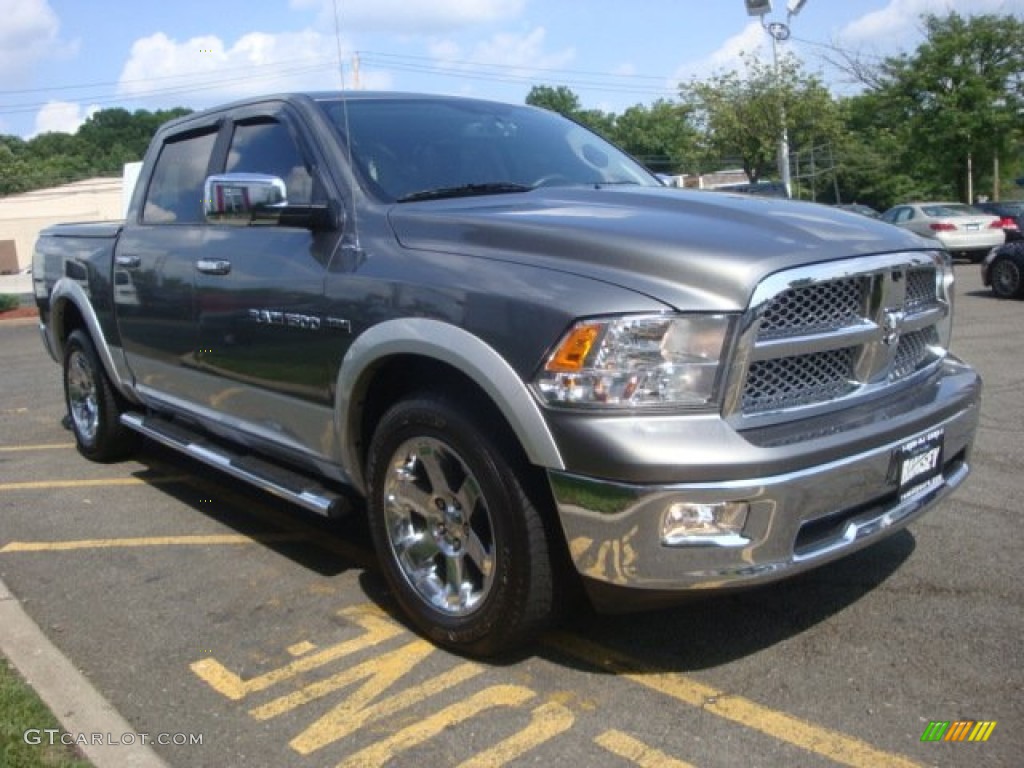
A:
920, 464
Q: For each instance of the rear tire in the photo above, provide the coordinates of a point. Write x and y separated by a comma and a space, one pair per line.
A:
462, 545
94, 408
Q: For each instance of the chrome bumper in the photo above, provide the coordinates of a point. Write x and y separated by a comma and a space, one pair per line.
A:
796, 521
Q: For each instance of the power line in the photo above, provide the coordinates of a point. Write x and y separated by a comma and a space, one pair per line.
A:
202, 85
592, 80
117, 83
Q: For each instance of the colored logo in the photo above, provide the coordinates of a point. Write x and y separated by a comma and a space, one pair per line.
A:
958, 730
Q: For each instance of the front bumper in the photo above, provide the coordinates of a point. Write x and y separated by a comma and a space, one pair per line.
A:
798, 518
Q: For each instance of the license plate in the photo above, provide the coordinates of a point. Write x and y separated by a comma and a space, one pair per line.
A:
920, 464
972, 227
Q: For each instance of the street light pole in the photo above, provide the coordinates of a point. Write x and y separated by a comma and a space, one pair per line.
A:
779, 33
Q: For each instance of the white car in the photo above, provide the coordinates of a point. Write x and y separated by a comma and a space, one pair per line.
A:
963, 230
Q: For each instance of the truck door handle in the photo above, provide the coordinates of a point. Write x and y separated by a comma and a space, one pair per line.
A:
213, 266
128, 262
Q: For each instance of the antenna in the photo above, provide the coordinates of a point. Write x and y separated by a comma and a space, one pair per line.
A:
337, 43
353, 246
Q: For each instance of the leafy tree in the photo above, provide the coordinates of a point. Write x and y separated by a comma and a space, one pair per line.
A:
101, 146
661, 136
560, 99
873, 168
741, 114
564, 101
955, 103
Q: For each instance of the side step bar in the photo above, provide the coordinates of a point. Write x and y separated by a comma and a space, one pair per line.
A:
281, 482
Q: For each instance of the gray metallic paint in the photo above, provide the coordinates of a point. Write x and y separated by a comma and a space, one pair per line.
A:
696, 251
458, 348
620, 542
668, 448
488, 285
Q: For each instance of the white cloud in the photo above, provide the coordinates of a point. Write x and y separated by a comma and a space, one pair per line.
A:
62, 117
898, 23
206, 70
895, 27
30, 33
752, 41
412, 16
504, 55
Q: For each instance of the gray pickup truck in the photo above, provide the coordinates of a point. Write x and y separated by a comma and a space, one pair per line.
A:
499, 337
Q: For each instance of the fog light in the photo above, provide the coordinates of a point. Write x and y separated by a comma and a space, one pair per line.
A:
715, 524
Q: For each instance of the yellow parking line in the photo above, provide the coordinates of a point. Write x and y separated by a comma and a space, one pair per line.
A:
43, 485
42, 447
636, 752
835, 746
149, 541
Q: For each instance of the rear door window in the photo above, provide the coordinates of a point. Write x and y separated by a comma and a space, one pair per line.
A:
175, 191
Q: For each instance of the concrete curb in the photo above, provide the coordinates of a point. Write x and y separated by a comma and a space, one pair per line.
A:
79, 707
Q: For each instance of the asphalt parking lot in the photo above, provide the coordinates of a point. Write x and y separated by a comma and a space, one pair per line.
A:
245, 632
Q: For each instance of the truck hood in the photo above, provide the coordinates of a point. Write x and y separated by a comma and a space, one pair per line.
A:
689, 249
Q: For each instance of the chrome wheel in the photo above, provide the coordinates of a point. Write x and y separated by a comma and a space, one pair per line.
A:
94, 409
451, 509
83, 398
439, 526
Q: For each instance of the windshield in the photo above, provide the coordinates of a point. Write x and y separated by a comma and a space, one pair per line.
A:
412, 149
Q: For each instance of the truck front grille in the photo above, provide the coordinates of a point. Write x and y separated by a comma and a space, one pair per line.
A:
798, 380
815, 340
818, 308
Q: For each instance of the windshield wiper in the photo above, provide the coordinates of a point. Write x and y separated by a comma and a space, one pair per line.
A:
616, 183
465, 190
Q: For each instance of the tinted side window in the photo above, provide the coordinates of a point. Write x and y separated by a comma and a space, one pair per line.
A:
176, 190
267, 146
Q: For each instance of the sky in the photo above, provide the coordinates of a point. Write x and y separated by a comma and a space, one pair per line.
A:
61, 60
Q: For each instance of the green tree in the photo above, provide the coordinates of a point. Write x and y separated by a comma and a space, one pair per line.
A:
872, 157
102, 145
660, 136
560, 99
740, 115
956, 102
564, 101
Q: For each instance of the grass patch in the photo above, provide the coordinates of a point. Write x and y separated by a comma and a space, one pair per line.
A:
9, 301
20, 711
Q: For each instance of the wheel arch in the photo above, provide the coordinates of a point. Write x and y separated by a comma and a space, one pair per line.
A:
399, 357
70, 310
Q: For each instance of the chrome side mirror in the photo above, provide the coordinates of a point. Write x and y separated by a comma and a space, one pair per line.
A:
244, 199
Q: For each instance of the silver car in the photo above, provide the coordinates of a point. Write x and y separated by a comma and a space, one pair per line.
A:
962, 229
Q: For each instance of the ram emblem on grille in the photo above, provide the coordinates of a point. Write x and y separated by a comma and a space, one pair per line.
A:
892, 322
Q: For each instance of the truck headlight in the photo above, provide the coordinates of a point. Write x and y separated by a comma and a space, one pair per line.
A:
637, 361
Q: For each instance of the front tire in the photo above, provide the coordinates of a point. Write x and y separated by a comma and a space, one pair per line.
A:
93, 406
462, 545
1005, 277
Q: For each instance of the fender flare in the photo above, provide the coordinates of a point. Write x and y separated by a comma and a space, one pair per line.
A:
461, 350
67, 291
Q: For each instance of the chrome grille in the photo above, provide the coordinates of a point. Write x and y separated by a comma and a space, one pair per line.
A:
920, 289
815, 308
823, 336
799, 380
913, 349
